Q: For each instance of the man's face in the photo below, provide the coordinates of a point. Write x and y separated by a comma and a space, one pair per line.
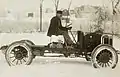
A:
59, 15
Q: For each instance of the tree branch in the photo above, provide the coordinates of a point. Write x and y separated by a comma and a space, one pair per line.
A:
41, 2
117, 3
56, 3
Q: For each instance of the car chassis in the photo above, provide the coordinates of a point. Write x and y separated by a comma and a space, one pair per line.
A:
96, 47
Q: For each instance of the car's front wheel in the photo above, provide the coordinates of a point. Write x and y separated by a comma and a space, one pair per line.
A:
104, 56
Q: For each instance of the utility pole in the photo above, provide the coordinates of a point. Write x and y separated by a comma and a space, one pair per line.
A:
41, 6
112, 17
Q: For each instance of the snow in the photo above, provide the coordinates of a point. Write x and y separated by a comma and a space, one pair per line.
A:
56, 67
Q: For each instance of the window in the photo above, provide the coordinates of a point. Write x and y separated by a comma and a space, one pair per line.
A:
107, 39
30, 15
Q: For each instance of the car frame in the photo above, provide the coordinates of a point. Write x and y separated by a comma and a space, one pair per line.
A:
95, 47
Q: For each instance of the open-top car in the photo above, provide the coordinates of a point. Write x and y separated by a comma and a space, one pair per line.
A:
95, 47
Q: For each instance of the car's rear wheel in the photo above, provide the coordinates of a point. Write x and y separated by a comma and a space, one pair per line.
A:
104, 56
19, 53
28, 42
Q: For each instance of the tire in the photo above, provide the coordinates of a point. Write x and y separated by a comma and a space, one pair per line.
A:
19, 53
28, 42
104, 56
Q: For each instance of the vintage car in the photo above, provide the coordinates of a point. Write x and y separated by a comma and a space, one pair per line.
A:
95, 47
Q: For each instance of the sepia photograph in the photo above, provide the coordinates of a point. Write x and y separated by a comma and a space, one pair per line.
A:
59, 38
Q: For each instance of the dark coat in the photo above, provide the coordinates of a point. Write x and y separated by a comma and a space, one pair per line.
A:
55, 27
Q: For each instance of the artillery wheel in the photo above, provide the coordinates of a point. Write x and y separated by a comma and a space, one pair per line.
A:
19, 53
29, 43
104, 56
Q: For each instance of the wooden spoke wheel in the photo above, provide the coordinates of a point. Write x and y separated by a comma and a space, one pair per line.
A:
104, 56
19, 53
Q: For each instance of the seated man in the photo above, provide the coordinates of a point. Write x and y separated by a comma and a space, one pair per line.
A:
56, 28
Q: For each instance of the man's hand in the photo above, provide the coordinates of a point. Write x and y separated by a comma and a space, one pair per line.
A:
69, 25
69, 28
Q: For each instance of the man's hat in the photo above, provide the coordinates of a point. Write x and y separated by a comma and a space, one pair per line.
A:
59, 12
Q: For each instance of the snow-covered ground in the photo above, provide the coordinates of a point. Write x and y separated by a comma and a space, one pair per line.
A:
56, 67
52, 66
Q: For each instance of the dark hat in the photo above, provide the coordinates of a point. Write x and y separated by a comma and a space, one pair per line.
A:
59, 12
